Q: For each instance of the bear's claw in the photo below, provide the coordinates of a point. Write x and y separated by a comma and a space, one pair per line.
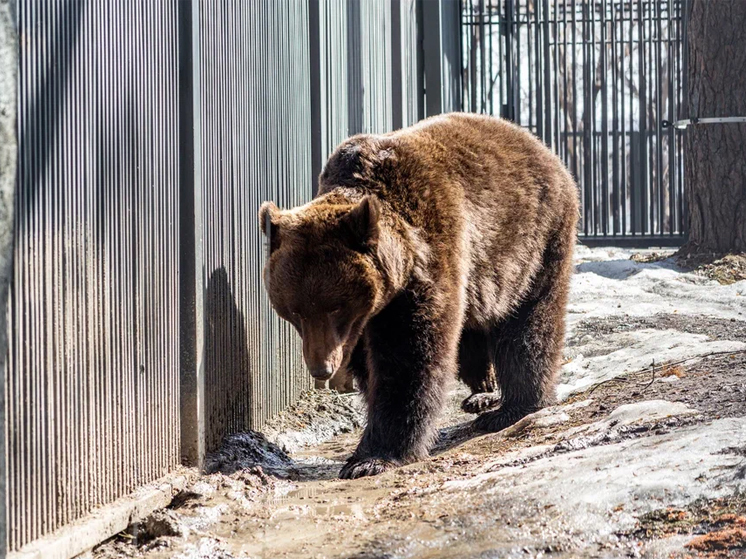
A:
477, 403
354, 469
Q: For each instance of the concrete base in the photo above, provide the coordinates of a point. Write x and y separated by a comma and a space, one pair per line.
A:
104, 522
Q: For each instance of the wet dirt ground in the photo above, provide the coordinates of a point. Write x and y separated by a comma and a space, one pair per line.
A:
646, 459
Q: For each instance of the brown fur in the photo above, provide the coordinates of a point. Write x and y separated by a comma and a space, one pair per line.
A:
441, 248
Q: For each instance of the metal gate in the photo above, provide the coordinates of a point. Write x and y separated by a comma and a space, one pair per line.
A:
595, 80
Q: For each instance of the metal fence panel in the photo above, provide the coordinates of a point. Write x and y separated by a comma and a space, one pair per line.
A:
594, 79
441, 33
92, 376
335, 59
255, 146
108, 203
408, 82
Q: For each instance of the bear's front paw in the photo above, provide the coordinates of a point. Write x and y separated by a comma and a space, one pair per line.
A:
477, 403
497, 420
355, 468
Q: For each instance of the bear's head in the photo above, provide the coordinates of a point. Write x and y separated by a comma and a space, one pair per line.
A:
321, 275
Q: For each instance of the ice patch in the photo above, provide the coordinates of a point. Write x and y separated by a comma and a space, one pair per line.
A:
601, 489
639, 350
630, 414
649, 410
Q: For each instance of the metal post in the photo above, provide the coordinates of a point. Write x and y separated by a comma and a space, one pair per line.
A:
433, 57
441, 41
420, 62
8, 155
685, 111
314, 38
355, 87
397, 97
191, 255
508, 108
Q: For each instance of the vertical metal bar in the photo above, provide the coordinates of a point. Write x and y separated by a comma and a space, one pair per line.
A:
594, 172
546, 61
473, 57
9, 86
642, 111
431, 41
191, 234
537, 116
634, 146
396, 66
604, 124
589, 193
484, 80
667, 135
557, 126
508, 109
574, 119
642, 156
615, 60
355, 82
681, 103
315, 65
490, 74
419, 10
671, 65
517, 116
501, 64
565, 81
622, 120
658, 113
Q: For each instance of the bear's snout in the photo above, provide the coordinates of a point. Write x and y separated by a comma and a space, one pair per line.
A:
324, 372
322, 352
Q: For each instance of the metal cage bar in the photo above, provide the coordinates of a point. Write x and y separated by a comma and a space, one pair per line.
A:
594, 79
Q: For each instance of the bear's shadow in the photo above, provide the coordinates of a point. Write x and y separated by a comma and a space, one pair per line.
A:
453, 436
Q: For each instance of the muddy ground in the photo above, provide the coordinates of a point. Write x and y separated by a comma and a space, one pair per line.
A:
644, 457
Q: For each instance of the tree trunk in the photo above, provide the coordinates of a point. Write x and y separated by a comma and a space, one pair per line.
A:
715, 154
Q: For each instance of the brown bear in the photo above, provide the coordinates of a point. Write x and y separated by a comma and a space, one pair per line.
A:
440, 249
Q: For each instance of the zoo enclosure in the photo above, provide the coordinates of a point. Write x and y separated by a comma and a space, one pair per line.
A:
594, 79
149, 133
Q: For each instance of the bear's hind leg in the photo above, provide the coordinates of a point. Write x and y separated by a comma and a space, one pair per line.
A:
528, 343
476, 371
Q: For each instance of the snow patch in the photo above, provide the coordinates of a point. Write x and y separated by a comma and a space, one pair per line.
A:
608, 283
630, 414
635, 351
601, 489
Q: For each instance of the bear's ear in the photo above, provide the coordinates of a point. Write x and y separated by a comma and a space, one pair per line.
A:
360, 225
269, 222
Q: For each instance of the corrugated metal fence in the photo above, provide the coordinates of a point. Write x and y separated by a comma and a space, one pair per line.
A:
139, 330
93, 364
254, 146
